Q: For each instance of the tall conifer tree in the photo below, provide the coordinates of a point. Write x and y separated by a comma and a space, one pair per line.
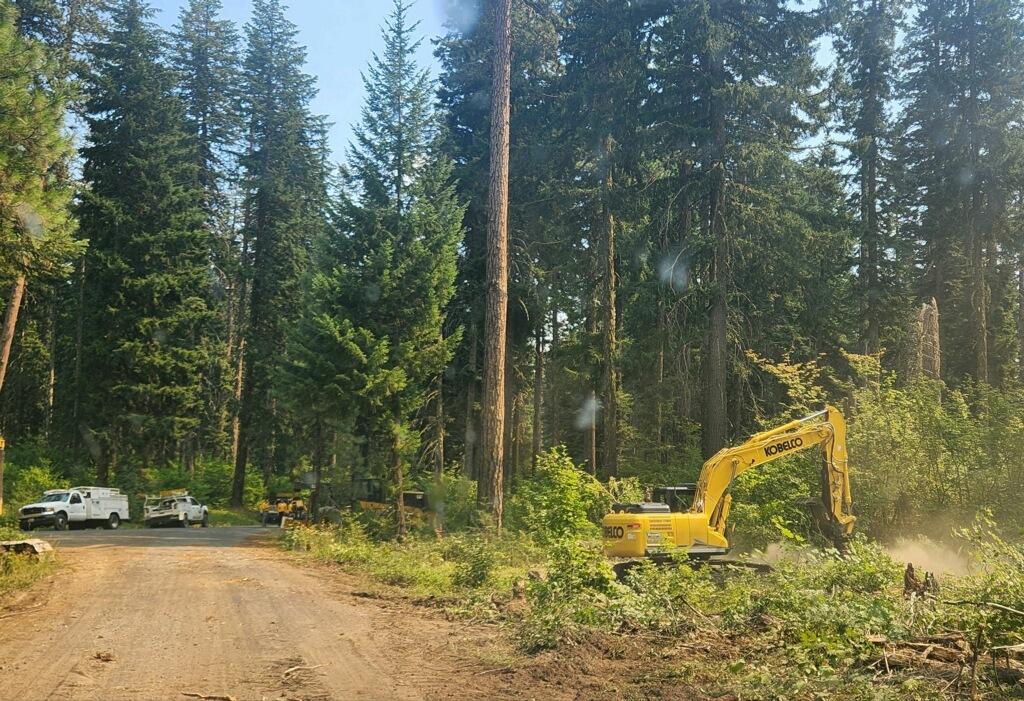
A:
145, 314
385, 276
284, 179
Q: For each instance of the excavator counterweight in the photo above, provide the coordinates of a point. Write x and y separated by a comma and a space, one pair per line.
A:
653, 528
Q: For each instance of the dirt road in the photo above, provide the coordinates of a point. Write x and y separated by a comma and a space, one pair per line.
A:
140, 614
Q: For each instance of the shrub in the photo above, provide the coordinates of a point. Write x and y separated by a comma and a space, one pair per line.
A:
558, 501
474, 558
454, 501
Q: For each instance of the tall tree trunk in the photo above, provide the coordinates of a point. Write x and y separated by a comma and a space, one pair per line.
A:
551, 409
975, 235
10, 321
1020, 320
79, 321
610, 344
51, 376
236, 423
511, 390
471, 437
538, 396
241, 442
591, 410
399, 473
870, 244
497, 268
715, 409
439, 454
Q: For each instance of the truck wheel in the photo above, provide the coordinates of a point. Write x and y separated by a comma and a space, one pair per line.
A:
206, 520
60, 521
25, 526
184, 522
263, 520
113, 521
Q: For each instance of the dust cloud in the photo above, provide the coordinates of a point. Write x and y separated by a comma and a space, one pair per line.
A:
929, 556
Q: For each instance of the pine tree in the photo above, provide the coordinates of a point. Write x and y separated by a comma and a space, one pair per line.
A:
284, 180
145, 316
35, 226
496, 290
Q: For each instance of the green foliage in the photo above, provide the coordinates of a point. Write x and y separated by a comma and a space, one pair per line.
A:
454, 500
35, 224
24, 484
558, 501
475, 559
146, 316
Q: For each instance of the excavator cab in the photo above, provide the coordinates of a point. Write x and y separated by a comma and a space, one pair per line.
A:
679, 499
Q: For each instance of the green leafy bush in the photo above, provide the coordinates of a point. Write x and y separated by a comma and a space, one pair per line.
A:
558, 501
474, 558
454, 500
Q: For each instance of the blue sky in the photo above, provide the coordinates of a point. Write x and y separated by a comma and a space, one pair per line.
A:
339, 36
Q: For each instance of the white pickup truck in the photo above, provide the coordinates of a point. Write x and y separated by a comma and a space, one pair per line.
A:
63, 508
175, 509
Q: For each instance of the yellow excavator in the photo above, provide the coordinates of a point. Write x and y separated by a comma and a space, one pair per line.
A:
655, 529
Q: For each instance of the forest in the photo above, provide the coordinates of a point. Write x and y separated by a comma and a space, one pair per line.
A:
720, 214
596, 243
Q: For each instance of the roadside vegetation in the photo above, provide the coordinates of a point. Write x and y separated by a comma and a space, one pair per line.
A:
818, 625
18, 572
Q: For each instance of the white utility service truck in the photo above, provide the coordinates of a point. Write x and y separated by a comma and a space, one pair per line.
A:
174, 508
86, 506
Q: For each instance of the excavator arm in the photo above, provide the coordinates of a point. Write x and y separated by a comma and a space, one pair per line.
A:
825, 428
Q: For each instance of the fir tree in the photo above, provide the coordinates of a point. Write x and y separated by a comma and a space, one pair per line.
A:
377, 302
284, 180
145, 316
206, 58
865, 52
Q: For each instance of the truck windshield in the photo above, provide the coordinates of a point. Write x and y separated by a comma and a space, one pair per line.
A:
63, 496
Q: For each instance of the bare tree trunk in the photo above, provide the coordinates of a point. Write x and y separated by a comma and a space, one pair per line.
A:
715, 409
492, 478
51, 377
3, 447
79, 320
511, 391
975, 237
551, 412
236, 423
592, 409
610, 350
469, 465
538, 396
10, 321
399, 475
659, 389
439, 453
1020, 318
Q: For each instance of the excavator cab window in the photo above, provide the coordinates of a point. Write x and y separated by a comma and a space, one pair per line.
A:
679, 499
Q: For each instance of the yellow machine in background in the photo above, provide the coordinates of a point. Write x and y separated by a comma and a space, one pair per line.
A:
654, 528
277, 507
369, 494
